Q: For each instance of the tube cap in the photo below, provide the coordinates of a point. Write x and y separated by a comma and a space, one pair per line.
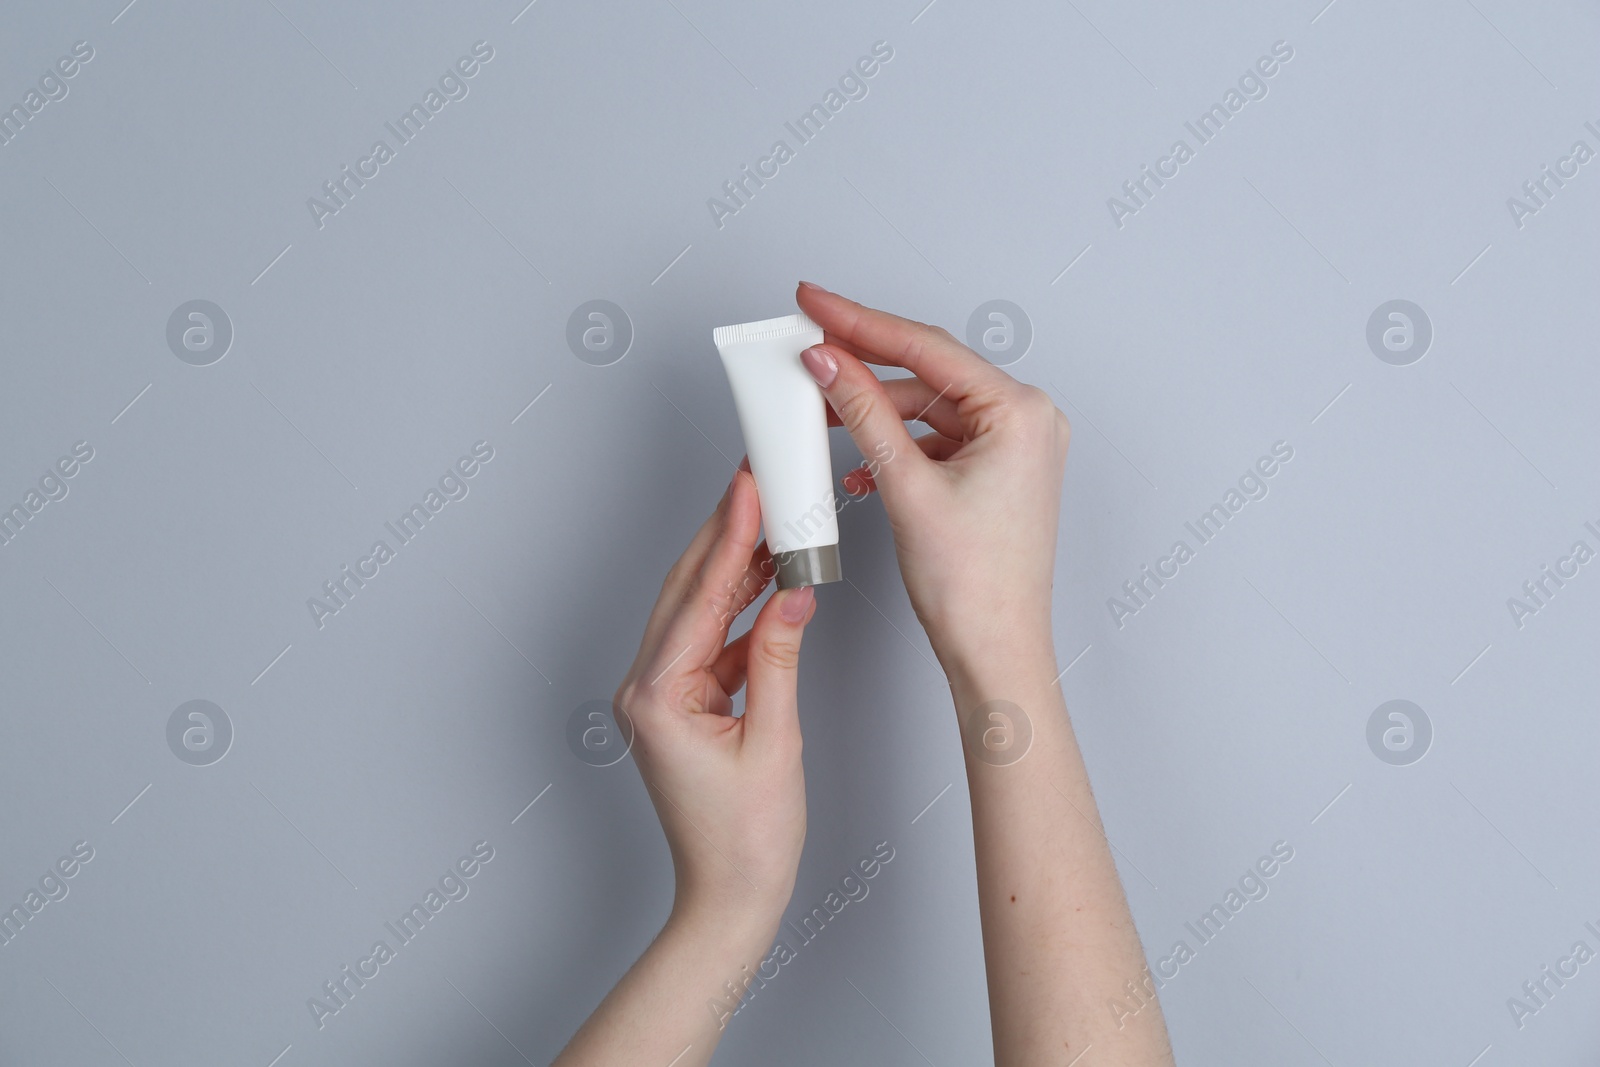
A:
808, 566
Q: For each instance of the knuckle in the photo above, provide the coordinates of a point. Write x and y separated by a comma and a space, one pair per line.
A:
1037, 402
696, 589
779, 653
671, 579
1031, 415
677, 577
1031, 407
926, 337
855, 410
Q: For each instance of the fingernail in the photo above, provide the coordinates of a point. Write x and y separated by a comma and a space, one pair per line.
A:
813, 286
820, 362
796, 603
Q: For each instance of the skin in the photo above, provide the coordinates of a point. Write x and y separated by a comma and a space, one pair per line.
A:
730, 792
973, 507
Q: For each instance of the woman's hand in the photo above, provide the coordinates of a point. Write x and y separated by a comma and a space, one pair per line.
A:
973, 505
974, 508
729, 791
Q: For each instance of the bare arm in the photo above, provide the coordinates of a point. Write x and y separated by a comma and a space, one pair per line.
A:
673, 1004
974, 507
1059, 942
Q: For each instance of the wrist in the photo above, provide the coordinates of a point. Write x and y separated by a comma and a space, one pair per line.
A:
735, 935
999, 666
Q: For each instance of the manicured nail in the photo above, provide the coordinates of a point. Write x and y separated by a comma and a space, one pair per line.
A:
796, 603
813, 286
820, 362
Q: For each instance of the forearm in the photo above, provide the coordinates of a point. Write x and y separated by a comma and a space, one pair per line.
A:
1059, 940
675, 1002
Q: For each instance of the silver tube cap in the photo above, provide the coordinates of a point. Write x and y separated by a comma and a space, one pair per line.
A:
808, 566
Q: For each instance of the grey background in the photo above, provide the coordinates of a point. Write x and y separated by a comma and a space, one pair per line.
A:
368, 355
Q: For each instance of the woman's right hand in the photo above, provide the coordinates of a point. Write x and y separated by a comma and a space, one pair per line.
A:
974, 505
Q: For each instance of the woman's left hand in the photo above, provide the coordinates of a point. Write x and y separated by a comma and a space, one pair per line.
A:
729, 791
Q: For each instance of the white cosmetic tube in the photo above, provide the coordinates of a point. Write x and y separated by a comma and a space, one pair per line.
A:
785, 424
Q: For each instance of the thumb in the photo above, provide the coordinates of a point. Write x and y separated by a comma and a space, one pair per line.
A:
771, 705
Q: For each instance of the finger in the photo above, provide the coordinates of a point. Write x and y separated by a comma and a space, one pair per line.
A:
730, 665
928, 352
683, 572
915, 401
863, 407
756, 577
860, 481
731, 604
696, 632
772, 666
